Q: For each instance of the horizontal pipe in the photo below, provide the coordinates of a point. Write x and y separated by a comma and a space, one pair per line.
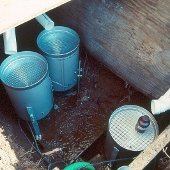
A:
45, 21
10, 43
162, 104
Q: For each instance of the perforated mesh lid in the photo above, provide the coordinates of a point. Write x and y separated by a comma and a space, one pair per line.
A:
24, 70
58, 41
122, 128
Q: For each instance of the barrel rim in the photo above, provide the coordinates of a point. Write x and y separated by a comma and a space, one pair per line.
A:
20, 55
58, 28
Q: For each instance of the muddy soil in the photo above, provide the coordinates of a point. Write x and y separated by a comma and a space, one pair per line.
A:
83, 118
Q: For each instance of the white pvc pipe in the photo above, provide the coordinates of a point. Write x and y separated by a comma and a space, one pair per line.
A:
162, 104
45, 21
10, 43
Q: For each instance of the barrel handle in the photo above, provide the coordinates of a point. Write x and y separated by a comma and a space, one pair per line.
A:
34, 123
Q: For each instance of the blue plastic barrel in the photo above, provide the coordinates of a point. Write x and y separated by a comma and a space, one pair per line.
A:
26, 79
60, 46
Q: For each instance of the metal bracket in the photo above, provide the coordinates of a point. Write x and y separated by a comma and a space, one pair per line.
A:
79, 75
114, 154
34, 122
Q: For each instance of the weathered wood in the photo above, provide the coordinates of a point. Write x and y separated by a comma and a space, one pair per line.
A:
132, 38
144, 158
16, 12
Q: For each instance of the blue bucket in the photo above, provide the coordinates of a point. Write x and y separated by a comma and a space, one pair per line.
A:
27, 82
60, 46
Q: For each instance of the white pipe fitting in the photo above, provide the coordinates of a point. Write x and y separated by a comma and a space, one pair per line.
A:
45, 21
162, 104
10, 43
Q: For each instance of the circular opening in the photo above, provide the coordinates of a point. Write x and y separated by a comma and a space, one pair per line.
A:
24, 71
58, 41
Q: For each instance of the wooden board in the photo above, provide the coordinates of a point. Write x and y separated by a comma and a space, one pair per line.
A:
132, 38
16, 12
151, 151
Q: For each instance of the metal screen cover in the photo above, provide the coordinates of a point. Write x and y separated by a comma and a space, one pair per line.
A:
57, 42
122, 128
24, 72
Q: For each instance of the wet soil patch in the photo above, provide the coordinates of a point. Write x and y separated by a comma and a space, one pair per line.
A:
81, 120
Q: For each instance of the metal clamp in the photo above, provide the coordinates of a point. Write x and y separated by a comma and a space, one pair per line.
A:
79, 75
114, 154
34, 122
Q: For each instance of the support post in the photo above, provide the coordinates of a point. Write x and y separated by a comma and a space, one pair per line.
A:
34, 123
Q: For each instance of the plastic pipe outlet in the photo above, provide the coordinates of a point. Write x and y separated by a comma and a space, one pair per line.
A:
162, 104
45, 21
10, 43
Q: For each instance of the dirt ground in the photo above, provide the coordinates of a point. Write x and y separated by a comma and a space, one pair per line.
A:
7, 156
99, 93
16, 153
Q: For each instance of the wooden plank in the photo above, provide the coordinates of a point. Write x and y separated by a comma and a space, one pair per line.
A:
132, 38
144, 158
16, 12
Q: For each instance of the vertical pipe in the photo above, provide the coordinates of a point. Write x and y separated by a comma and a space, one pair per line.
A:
10, 43
45, 21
